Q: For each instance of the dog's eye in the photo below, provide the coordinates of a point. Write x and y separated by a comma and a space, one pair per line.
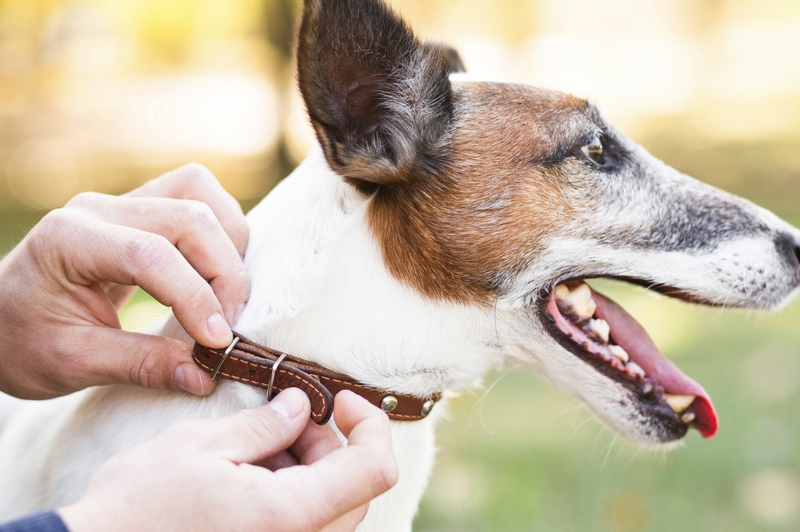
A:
594, 151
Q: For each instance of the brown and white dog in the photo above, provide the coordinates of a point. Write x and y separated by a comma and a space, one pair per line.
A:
442, 230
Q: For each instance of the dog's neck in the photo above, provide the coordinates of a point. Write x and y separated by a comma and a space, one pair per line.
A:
320, 291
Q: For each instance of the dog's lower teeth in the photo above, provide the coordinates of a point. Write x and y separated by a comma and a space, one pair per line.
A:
581, 302
601, 328
679, 403
688, 417
618, 352
635, 369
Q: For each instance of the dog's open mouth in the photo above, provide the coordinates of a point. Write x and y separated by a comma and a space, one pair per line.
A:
603, 334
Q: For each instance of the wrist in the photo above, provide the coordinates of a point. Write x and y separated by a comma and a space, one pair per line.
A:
78, 519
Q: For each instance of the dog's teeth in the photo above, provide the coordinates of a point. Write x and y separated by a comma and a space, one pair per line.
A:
561, 292
679, 403
618, 352
635, 369
581, 301
688, 417
601, 328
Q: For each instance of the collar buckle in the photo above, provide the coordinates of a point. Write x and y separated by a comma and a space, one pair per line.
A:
224, 356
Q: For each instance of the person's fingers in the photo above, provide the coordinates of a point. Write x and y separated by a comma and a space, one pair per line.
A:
115, 356
195, 182
315, 442
362, 423
118, 294
347, 522
92, 251
352, 476
250, 436
189, 225
279, 461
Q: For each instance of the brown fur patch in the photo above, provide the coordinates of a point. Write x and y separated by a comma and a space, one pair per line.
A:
459, 231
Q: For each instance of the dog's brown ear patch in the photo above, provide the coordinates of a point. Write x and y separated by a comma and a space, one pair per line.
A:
379, 100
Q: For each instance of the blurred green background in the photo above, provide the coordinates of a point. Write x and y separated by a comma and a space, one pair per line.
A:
105, 94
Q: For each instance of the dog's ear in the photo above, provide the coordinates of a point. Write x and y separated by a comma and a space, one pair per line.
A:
379, 100
451, 56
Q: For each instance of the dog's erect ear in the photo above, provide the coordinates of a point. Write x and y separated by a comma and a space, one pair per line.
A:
379, 100
454, 62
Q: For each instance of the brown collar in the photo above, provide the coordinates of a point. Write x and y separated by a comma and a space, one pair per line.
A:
248, 362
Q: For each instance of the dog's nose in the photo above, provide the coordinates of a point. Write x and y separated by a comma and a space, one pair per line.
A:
789, 247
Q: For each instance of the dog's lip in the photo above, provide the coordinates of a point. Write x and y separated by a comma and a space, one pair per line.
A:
662, 376
631, 336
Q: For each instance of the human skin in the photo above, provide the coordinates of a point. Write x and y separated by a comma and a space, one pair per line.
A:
180, 237
233, 473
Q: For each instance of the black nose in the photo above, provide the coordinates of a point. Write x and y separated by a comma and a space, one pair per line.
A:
789, 248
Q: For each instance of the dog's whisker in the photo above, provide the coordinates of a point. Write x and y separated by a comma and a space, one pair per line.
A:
575, 414
592, 416
622, 447
597, 439
479, 402
637, 453
574, 409
609, 451
483, 422
723, 304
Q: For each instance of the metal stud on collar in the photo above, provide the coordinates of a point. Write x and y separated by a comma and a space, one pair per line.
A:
427, 407
389, 403
223, 357
272, 375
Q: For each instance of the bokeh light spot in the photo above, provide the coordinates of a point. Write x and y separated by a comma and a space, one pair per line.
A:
771, 497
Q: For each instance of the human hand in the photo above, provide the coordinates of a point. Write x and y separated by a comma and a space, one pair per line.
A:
180, 237
233, 473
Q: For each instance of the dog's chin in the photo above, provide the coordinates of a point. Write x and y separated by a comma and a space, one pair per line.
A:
654, 402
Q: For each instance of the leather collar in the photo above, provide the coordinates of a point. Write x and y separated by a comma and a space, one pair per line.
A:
248, 362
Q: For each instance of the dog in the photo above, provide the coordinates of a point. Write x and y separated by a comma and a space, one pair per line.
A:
443, 228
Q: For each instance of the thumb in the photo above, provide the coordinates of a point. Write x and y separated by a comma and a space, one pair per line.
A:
144, 360
250, 436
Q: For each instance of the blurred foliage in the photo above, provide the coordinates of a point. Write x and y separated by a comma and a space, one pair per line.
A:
106, 94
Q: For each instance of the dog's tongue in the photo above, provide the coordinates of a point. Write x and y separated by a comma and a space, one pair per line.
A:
628, 334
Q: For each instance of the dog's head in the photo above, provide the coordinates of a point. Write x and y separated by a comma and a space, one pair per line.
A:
494, 194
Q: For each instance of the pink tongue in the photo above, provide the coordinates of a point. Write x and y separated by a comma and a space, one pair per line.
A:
628, 334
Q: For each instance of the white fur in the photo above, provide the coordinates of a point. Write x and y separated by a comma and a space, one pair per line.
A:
322, 294
321, 291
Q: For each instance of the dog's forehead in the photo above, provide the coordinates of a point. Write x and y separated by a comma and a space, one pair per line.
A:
533, 124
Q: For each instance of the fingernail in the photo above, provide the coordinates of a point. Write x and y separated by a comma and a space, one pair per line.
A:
218, 327
189, 379
238, 313
289, 403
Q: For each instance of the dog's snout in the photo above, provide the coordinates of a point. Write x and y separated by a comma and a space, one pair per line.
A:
789, 248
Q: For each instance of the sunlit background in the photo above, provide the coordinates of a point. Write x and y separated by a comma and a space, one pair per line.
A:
103, 95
